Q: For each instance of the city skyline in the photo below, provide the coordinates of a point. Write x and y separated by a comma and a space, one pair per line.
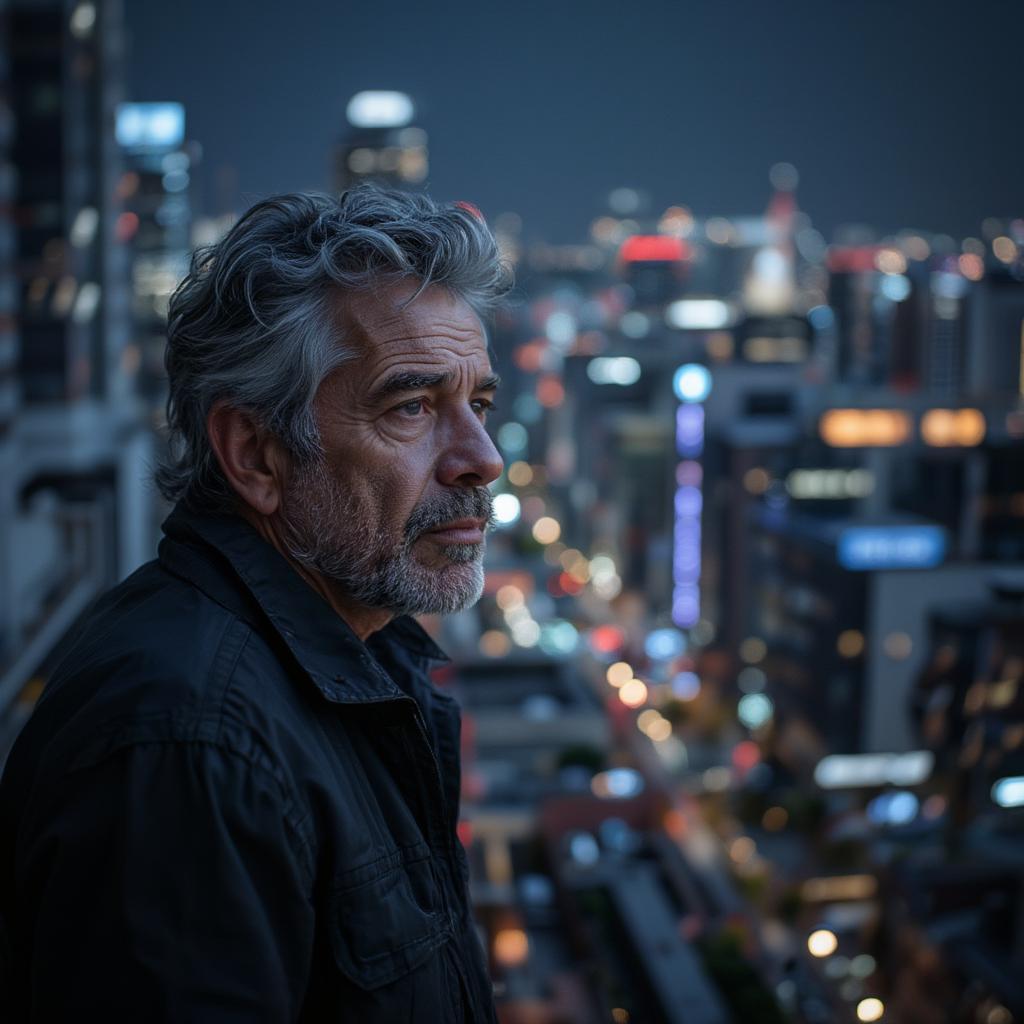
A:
894, 118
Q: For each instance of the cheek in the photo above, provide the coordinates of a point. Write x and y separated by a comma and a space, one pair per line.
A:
400, 483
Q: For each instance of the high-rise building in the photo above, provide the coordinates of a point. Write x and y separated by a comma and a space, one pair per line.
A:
156, 226
381, 143
75, 494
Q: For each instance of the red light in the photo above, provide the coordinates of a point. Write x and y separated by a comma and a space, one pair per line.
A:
464, 830
745, 755
570, 585
653, 249
607, 639
852, 259
471, 208
125, 226
474, 786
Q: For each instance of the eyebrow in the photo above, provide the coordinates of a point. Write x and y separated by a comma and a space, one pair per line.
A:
399, 383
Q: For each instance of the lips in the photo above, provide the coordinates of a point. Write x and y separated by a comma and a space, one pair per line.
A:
459, 531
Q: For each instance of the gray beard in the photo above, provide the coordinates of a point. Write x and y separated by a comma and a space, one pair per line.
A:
335, 533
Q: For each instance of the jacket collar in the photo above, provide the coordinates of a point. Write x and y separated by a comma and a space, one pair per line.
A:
338, 662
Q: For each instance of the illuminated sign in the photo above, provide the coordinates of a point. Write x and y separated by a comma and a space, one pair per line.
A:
150, 125
950, 428
831, 484
851, 771
891, 547
698, 314
1009, 792
837, 888
653, 249
379, 109
689, 500
622, 370
865, 428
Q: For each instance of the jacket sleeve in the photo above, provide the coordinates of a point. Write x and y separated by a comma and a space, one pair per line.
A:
168, 883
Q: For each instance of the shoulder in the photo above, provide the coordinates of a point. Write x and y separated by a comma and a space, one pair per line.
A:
155, 661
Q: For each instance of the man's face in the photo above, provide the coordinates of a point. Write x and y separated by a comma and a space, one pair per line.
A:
396, 511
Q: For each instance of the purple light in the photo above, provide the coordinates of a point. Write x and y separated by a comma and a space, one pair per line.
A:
688, 502
685, 607
689, 473
690, 430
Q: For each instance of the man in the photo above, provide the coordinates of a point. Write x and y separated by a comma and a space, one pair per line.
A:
237, 798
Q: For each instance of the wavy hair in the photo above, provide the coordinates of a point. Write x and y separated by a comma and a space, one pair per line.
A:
253, 321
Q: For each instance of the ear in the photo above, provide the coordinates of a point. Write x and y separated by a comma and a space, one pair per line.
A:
252, 460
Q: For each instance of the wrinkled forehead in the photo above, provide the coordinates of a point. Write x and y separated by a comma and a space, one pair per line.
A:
386, 328
389, 314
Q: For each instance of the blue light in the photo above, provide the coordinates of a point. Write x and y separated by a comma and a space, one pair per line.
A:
754, 709
895, 287
527, 409
1009, 792
664, 644
150, 125
891, 547
686, 685
899, 808
692, 382
512, 438
821, 318
558, 637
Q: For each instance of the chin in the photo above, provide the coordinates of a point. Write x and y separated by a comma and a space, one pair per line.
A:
444, 591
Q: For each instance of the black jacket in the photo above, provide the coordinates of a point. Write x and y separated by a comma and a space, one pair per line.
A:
227, 808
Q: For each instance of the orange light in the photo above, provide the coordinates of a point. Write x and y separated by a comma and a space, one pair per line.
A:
550, 392
775, 819
494, 644
511, 947
675, 824
520, 474
972, 266
953, 428
865, 428
528, 357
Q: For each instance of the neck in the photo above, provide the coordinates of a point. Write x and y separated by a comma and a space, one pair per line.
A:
363, 621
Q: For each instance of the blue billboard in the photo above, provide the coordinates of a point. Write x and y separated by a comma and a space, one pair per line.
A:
918, 546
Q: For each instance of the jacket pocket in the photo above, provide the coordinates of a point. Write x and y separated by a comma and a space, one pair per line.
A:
380, 928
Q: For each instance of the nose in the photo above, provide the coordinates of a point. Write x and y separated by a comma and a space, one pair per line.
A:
469, 458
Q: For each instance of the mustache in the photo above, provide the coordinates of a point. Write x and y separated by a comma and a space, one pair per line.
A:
472, 503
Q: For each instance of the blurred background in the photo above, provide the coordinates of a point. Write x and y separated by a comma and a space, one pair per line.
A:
744, 718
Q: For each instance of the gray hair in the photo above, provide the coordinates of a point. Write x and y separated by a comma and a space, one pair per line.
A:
253, 323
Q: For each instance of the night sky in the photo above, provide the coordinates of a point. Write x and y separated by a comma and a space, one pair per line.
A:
897, 114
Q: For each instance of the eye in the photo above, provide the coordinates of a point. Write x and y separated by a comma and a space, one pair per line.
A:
413, 408
482, 406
